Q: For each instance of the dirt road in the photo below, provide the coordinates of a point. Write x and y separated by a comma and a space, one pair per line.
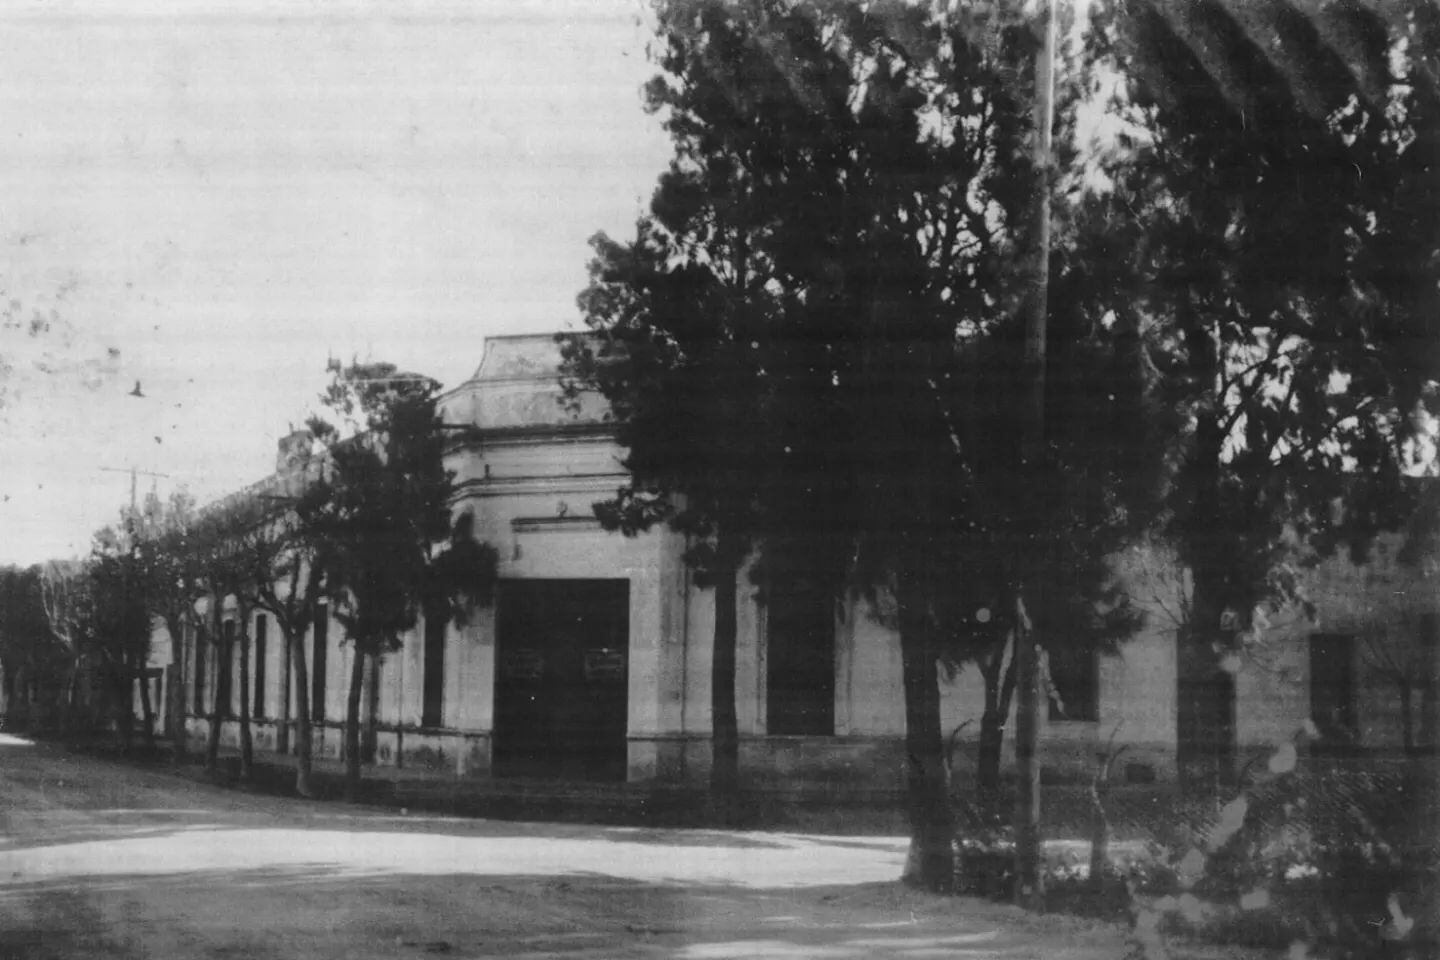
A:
103, 860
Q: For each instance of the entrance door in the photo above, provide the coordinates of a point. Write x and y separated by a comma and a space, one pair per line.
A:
562, 672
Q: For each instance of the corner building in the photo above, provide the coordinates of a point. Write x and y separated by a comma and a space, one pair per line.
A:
593, 663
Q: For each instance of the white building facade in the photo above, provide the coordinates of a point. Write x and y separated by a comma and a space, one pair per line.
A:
593, 663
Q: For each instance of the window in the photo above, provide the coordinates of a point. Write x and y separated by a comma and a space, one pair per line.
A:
1075, 676
319, 641
431, 714
1332, 686
223, 706
262, 627
200, 641
800, 661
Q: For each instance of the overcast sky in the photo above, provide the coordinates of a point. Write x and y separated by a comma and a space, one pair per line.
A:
212, 198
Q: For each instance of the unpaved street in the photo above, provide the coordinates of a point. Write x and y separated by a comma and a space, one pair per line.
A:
102, 860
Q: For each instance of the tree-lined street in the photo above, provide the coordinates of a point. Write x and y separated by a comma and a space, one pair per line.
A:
99, 859
942, 323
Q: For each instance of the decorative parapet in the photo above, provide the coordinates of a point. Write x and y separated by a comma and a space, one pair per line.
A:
516, 388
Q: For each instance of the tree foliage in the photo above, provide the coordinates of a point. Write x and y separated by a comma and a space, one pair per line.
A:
28, 652
166, 564
120, 631
812, 343
380, 509
1279, 182
290, 570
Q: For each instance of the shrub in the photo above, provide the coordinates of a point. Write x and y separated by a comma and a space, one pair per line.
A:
1316, 857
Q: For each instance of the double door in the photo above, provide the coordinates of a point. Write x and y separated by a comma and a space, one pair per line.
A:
561, 679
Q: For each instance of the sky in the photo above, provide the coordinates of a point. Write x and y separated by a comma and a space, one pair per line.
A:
210, 198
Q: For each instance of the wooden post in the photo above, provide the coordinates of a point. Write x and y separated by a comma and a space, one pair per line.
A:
1029, 878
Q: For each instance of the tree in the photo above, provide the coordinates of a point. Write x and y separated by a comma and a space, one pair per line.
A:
120, 631
167, 563
837, 210
27, 647
65, 594
678, 402
380, 510
694, 353
1281, 163
290, 576
228, 539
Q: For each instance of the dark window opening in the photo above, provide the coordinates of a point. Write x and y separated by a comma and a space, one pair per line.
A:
1075, 676
262, 627
431, 714
223, 707
199, 641
1332, 687
800, 661
319, 641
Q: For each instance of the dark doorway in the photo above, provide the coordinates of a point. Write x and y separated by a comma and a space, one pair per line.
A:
319, 648
561, 676
432, 709
800, 661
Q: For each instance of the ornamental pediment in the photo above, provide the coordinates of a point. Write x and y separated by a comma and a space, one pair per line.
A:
517, 387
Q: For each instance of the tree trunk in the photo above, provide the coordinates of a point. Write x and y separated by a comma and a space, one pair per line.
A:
247, 745
1029, 878
1100, 825
282, 720
20, 707
370, 735
147, 710
175, 711
68, 697
352, 723
20, 712
1205, 705
930, 864
304, 784
121, 692
12, 686
220, 697
1205, 695
999, 691
175, 691
725, 732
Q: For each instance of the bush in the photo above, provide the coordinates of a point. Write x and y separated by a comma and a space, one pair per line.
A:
1320, 856
1317, 857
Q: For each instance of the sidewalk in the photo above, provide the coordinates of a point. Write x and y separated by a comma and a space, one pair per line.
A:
511, 798
1134, 814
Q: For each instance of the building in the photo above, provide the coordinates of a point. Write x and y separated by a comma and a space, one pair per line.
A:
594, 661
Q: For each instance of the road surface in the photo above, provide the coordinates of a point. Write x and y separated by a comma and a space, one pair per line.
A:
102, 860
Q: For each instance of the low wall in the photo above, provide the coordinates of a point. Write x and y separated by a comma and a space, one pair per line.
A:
854, 767
461, 752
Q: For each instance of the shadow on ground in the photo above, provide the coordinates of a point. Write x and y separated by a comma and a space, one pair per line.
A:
311, 911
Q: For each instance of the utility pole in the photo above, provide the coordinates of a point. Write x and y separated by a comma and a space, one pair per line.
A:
133, 474
130, 522
1029, 878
